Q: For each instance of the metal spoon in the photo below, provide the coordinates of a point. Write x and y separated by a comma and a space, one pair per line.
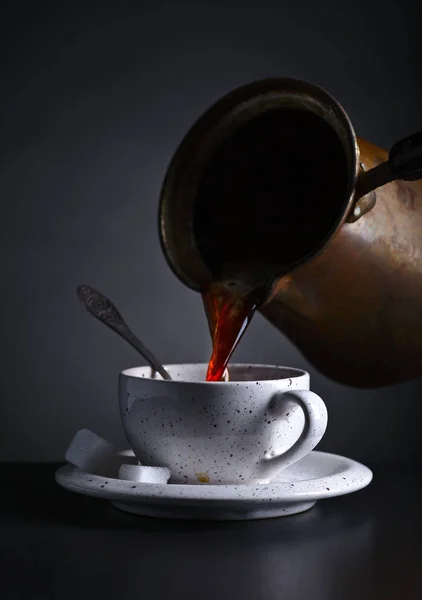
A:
105, 311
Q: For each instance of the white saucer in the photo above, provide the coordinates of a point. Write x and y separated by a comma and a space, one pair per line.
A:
316, 476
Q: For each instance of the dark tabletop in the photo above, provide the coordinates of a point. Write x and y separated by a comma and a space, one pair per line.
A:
55, 544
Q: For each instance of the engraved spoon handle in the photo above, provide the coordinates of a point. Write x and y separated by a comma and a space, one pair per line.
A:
105, 311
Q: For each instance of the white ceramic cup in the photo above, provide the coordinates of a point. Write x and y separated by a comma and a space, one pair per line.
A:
238, 432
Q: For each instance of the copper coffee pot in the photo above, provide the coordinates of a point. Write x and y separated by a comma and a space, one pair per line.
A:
273, 176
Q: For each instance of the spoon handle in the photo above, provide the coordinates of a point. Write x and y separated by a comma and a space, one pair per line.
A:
105, 311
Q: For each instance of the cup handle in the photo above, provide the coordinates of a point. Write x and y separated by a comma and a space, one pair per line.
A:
316, 418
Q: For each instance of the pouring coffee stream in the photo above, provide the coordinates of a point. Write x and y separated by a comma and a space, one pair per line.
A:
273, 176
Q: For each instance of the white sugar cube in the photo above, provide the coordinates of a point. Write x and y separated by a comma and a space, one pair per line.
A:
92, 453
143, 474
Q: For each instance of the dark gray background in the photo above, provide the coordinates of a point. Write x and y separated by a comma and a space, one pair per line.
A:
95, 103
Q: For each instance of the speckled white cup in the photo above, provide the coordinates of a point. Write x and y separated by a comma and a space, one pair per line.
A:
239, 432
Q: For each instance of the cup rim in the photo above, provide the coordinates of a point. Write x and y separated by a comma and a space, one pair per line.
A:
291, 373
